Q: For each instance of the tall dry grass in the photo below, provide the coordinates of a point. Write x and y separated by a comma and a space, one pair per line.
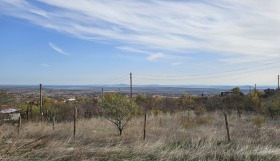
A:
180, 136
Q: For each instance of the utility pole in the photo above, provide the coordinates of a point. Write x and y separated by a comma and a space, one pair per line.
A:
102, 93
131, 85
102, 96
278, 82
255, 88
41, 103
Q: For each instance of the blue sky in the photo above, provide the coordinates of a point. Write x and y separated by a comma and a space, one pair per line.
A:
213, 42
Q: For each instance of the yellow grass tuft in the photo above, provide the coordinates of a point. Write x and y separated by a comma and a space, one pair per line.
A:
258, 120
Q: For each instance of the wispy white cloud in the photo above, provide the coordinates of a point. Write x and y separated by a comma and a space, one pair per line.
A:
155, 56
150, 56
236, 29
177, 63
57, 49
130, 49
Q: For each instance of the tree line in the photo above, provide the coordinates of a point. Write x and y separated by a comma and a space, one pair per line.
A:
119, 108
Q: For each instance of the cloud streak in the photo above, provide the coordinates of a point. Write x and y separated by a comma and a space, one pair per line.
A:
177, 63
150, 56
57, 49
235, 29
155, 56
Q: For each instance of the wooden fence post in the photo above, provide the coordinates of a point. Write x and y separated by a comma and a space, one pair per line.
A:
53, 121
41, 103
75, 121
226, 121
31, 113
145, 120
27, 114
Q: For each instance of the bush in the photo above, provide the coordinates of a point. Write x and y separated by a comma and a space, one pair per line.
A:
258, 120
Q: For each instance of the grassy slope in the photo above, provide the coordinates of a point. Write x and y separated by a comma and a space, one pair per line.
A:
182, 136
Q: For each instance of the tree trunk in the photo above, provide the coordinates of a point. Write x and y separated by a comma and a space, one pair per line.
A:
120, 127
120, 131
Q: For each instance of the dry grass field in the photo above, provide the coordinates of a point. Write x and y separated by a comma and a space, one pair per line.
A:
180, 136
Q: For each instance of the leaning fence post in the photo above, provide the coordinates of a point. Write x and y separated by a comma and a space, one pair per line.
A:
226, 121
75, 120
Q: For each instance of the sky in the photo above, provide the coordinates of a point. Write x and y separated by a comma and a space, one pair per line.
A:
168, 42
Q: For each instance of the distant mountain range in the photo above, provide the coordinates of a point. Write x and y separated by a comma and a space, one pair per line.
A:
168, 90
148, 85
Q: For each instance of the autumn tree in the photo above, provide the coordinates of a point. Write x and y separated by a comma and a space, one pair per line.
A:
146, 103
237, 91
253, 102
272, 105
214, 103
167, 104
65, 111
118, 109
90, 107
186, 101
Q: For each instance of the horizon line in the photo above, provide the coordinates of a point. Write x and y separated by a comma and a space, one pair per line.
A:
229, 85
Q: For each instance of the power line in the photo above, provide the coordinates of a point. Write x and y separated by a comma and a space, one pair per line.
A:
116, 79
211, 73
193, 76
201, 76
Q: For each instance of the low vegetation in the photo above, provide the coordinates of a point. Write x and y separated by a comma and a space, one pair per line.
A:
177, 128
168, 138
